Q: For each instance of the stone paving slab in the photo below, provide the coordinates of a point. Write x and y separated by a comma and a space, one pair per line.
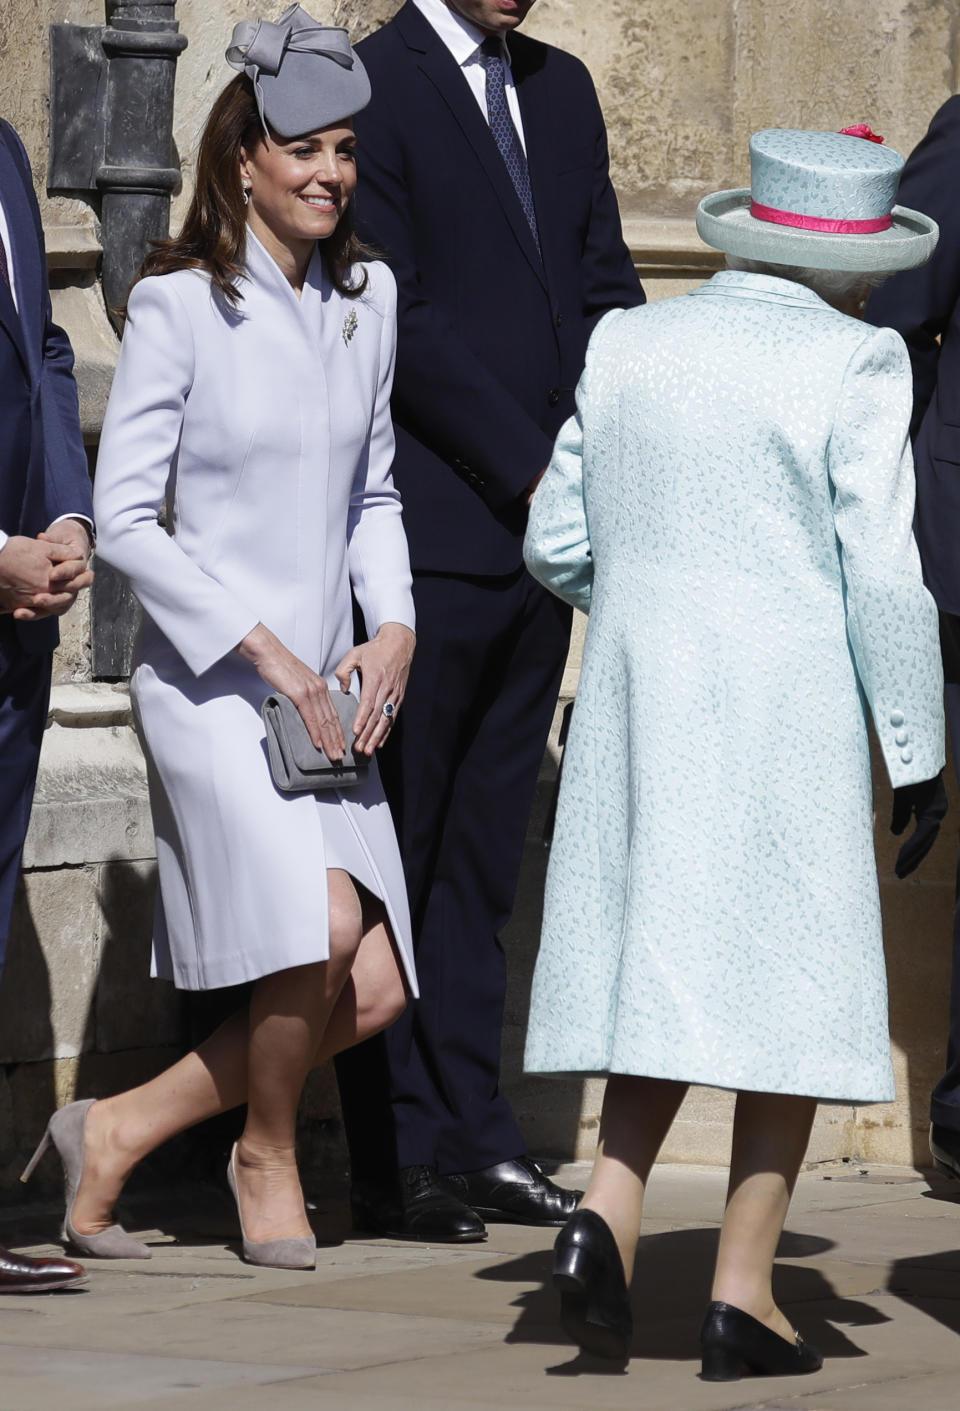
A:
86, 1381
869, 1269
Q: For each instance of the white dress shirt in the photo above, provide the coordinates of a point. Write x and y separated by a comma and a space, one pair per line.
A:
5, 237
12, 273
464, 39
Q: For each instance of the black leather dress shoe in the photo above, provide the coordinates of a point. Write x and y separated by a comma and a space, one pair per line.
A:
516, 1192
945, 1150
595, 1307
420, 1208
21, 1274
733, 1345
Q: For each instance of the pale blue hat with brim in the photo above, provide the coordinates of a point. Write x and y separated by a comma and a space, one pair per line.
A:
822, 200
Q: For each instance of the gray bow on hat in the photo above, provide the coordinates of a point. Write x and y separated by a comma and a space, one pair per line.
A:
305, 75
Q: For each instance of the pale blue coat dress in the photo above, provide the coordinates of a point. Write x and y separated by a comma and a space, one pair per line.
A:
733, 506
265, 433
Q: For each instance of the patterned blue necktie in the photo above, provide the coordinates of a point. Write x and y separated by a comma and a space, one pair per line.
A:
4, 265
504, 133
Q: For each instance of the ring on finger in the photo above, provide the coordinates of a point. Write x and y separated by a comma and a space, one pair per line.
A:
389, 710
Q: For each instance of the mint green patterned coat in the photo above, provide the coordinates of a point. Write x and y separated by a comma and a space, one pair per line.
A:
733, 506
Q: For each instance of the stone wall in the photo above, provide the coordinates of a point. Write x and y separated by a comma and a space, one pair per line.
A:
682, 87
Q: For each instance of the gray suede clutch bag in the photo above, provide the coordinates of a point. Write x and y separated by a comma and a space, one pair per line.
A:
296, 764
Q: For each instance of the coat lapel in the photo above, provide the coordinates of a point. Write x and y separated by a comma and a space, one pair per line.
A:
20, 226
441, 69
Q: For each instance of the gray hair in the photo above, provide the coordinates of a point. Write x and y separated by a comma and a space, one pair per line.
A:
833, 285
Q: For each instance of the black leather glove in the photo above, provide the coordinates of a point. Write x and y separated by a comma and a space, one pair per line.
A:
927, 802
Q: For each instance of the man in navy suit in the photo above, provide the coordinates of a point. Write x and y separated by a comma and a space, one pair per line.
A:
924, 306
46, 528
483, 177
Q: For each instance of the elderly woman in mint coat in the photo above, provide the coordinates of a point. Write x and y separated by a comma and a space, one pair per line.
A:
732, 505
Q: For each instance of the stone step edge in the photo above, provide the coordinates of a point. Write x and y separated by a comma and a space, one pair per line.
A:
89, 704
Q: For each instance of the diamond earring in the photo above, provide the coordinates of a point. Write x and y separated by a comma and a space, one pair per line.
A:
246, 195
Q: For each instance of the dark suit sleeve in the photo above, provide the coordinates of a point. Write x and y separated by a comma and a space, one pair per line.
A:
460, 409
67, 478
68, 488
610, 279
919, 303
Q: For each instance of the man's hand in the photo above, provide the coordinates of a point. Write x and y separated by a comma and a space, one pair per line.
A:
532, 487
72, 534
41, 577
71, 544
25, 567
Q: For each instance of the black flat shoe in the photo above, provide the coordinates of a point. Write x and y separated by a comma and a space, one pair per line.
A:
733, 1345
418, 1208
514, 1192
595, 1308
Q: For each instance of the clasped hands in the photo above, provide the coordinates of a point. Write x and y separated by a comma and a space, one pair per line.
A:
383, 664
41, 577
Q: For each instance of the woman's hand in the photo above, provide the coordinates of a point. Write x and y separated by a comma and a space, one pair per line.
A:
309, 692
927, 803
384, 665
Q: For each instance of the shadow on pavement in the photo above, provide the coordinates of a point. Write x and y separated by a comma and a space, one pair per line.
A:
931, 1284
671, 1288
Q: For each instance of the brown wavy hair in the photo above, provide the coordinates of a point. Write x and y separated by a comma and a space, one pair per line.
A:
214, 234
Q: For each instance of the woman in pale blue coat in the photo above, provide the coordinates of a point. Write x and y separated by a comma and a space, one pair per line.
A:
252, 398
732, 505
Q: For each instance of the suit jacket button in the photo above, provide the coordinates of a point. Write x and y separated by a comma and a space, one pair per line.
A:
553, 396
896, 718
559, 320
902, 737
906, 756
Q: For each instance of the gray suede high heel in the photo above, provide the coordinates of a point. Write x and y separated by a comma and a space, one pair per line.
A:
65, 1131
271, 1254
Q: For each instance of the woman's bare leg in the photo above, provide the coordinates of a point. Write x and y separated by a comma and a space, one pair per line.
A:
637, 1114
375, 993
289, 1014
770, 1136
121, 1130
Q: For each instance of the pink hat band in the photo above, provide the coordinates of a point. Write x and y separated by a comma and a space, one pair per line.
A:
826, 225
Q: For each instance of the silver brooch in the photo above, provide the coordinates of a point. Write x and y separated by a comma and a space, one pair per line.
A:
349, 325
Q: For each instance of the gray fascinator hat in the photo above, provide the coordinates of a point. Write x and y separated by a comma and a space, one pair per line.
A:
305, 75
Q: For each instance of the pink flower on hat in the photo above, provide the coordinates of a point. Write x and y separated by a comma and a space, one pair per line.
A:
861, 130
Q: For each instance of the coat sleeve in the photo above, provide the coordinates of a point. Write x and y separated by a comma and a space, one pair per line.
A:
891, 618
462, 411
556, 548
377, 546
919, 303
66, 476
138, 453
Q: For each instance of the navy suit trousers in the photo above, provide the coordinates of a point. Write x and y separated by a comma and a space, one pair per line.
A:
459, 772
24, 695
945, 1100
